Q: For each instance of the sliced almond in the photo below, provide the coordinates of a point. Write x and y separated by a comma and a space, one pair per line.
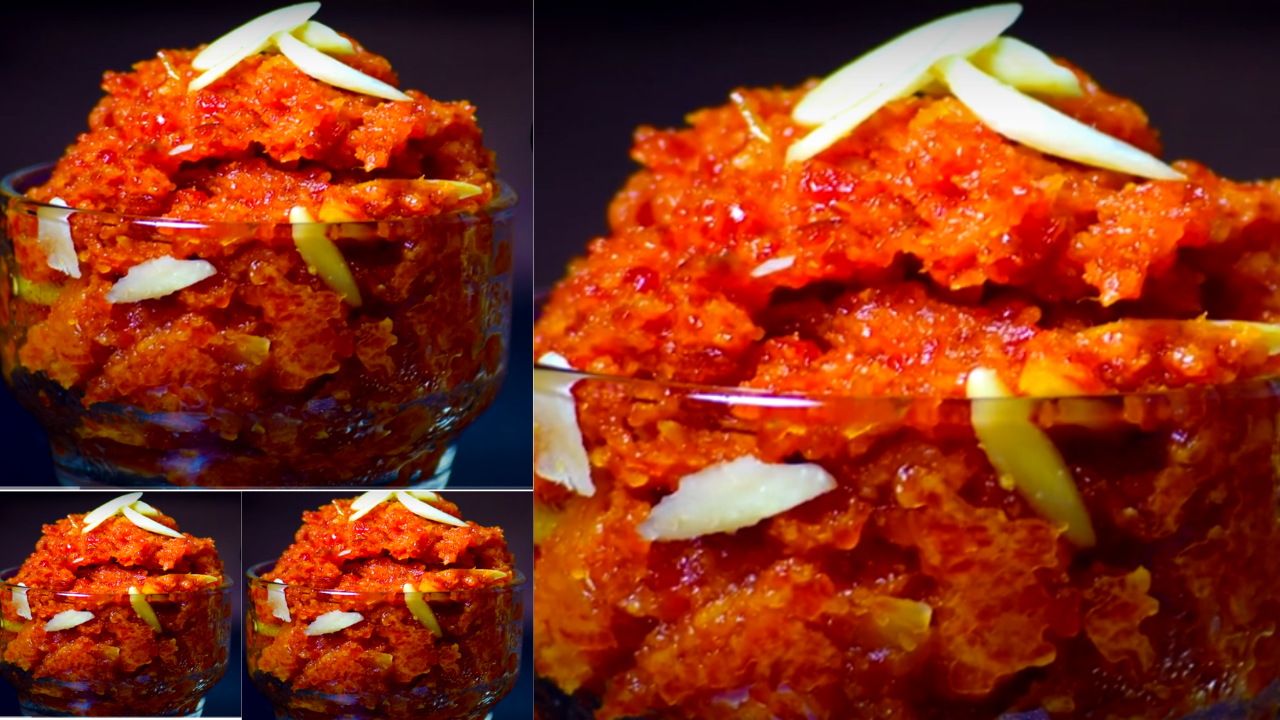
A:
332, 622
461, 190
1021, 452
1036, 125
545, 520
254, 34
372, 497
264, 629
559, 451
1270, 332
143, 608
96, 516
41, 293
424, 494
320, 253
148, 524
368, 501
20, 604
181, 149
421, 610
54, 237
732, 495
336, 73
67, 619
830, 132
323, 38
490, 575
144, 509
278, 602
157, 278
769, 267
897, 62
1026, 68
107, 652
421, 509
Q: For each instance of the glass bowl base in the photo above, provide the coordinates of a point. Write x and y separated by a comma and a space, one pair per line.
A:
73, 469
33, 709
551, 703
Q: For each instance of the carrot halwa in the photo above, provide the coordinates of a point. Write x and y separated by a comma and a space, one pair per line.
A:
388, 612
928, 424
116, 619
305, 353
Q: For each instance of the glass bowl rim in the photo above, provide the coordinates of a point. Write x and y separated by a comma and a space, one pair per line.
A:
253, 574
503, 202
6, 574
1254, 387
1246, 388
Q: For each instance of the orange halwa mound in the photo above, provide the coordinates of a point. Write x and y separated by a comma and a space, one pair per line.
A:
864, 286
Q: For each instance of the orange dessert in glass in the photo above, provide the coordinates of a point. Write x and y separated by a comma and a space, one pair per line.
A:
116, 613
263, 264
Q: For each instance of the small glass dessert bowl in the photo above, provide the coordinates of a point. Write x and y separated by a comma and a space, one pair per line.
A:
70, 653
174, 352
318, 653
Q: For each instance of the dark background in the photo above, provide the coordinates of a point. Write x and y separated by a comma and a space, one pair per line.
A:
53, 55
1203, 70
203, 513
272, 518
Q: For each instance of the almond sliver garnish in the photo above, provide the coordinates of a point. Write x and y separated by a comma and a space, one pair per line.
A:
336, 73
20, 604
421, 610
732, 495
320, 253
421, 509
148, 524
898, 61
54, 237
323, 38
366, 502
157, 278
1036, 125
276, 599
254, 35
1270, 332
109, 509
769, 267
68, 619
1021, 451
1026, 68
331, 622
143, 608
462, 190
144, 509
827, 134
560, 454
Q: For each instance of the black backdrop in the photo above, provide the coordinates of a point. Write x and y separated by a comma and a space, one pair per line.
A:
53, 54
1201, 69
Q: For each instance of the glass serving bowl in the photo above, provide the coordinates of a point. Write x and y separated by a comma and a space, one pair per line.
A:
256, 376
926, 584
387, 665
101, 669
